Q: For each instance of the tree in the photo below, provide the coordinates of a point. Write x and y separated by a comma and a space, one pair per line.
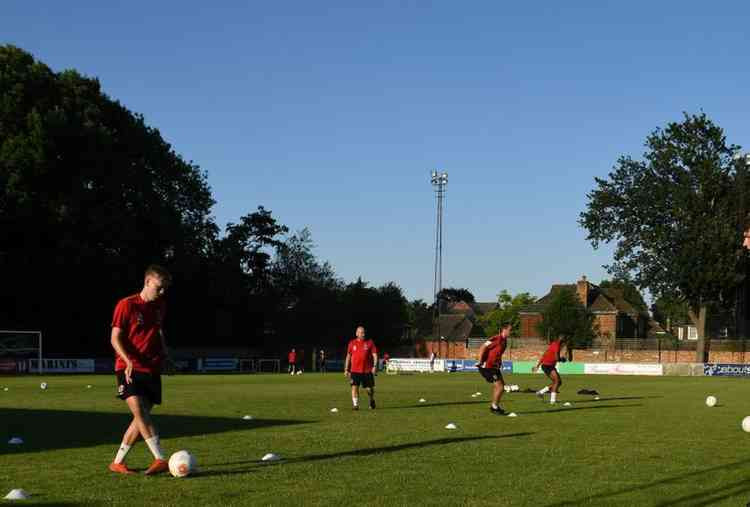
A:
507, 311
420, 316
566, 316
630, 292
453, 295
88, 193
669, 310
674, 217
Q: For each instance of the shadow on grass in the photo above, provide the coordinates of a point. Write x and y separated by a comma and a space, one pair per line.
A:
44, 430
573, 409
696, 499
618, 398
434, 404
353, 453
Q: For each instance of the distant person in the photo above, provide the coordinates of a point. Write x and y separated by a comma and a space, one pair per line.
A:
301, 362
292, 359
360, 366
491, 363
432, 360
322, 361
140, 349
386, 358
548, 362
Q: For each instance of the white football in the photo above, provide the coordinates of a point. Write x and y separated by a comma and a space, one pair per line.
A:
711, 401
43, 385
746, 424
182, 464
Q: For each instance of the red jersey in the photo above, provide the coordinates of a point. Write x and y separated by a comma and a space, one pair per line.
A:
141, 323
361, 352
493, 354
550, 356
292, 357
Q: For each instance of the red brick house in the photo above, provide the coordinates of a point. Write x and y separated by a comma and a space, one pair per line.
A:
615, 317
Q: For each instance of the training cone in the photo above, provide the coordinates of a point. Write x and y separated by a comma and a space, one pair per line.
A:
271, 457
17, 494
15, 441
334, 410
422, 400
450, 426
567, 404
512, 414
248, 417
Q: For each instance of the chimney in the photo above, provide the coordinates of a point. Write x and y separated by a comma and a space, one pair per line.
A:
582, 288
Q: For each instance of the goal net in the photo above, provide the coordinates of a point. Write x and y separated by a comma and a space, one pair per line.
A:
16, 347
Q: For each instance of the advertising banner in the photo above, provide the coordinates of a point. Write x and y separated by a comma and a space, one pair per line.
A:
623, 369
63, 365
726, 370
224, 364
413, 364
569, 368
8, 365
458, 365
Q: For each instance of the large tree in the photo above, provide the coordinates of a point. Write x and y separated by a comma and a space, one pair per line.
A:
566, 316
89, 195
674, 217
507, 311
630, 292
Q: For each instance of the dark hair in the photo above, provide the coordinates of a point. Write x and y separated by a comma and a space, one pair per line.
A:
158, 271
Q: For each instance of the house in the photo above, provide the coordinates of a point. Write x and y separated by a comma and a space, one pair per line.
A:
615, 317
457, 319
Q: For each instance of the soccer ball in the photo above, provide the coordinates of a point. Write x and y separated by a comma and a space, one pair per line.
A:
182, 464
711, 401
43, 385
746, 424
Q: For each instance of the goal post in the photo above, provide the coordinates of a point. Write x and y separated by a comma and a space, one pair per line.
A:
21, 344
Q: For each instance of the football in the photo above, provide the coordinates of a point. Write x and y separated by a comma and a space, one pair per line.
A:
182, 464
711, 401
43, 385
746, 424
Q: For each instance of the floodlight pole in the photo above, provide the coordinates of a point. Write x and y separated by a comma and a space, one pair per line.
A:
742, 161
439, 182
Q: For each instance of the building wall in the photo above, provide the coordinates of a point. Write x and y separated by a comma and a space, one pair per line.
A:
528, 325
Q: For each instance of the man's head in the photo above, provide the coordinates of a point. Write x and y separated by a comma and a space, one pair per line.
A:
156, 281
506, 328
360, 333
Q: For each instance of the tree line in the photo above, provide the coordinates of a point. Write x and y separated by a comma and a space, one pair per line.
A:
90, 194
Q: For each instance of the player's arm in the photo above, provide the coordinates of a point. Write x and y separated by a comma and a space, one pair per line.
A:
538, 363
346, 364
374, 362
117, 344
483, 353
560, 357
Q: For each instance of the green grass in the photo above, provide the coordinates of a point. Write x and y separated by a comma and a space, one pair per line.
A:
647, 441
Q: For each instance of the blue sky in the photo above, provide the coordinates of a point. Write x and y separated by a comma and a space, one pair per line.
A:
333, 114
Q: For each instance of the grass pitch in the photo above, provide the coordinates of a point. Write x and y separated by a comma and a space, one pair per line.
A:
647, 441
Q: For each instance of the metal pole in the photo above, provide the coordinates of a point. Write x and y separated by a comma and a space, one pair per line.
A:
439, 181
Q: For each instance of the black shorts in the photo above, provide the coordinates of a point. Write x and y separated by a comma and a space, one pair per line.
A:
492, 375
362, 379
146, 385
548, 369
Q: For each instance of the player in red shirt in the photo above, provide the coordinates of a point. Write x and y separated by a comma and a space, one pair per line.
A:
491, 364
548, 362
360, 366
292, 358
140, 347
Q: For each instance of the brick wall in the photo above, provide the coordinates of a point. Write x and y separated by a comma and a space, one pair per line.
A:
519, 351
